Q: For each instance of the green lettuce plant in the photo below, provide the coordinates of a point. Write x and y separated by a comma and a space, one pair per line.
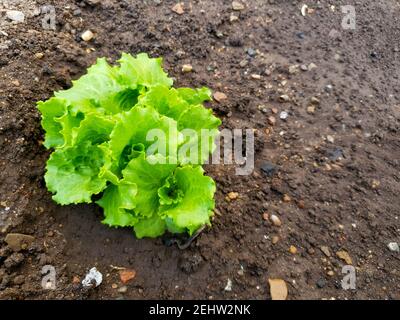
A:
99, 131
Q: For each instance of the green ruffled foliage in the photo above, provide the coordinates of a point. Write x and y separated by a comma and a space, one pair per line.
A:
99, 130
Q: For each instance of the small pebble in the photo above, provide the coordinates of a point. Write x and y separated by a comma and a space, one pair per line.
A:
394, 247
325, 251
275, 220
87, 35
16, 16
312, 66
237, 6
251, 52
271, 120
39, 55
286, 198
283, 115
233, 195
228, 286
311, 109
219, 96
178, 8
303, 67
233, 18
284, 98
292, 249
187, 68
315, 101
275, 239
243, 63
321, 283
123, 289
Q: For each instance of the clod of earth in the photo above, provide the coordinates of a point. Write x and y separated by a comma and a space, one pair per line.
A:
18, 241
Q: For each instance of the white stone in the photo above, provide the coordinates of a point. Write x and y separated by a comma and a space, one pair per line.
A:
87, 35
92, 277
14, 15
394, 246
228, 286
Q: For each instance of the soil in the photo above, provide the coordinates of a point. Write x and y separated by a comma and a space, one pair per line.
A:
332, 174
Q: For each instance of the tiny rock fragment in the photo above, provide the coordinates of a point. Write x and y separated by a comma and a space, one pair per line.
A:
237, 6
233, 18
275, 239
92, 2
269, 168
16, 16
187, 68
321, 283
284, 98
344, 256
228, 286
127, 275
394, 247
315, 101
178, 8
312, 66
274, 110
19, 241
311, 109
303, 67
292, 249
114, 286
278, 289
123, 289
39, 55
293, 69
251, 52
330, 139
265, 216
304, 10
325, 250
93, 277
256, 76
286, 198
87, 35
283, 115
271, 120
375, 184
275, 220
243, 63
233, 195
219, 96
76, 280
301, 204
330, 273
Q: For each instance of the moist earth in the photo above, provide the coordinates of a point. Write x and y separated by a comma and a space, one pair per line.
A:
328, 172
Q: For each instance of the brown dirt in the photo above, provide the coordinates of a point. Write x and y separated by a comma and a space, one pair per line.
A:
350, 204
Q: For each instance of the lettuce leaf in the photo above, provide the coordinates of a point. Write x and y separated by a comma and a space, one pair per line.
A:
51, 110
72, 173
122, 131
